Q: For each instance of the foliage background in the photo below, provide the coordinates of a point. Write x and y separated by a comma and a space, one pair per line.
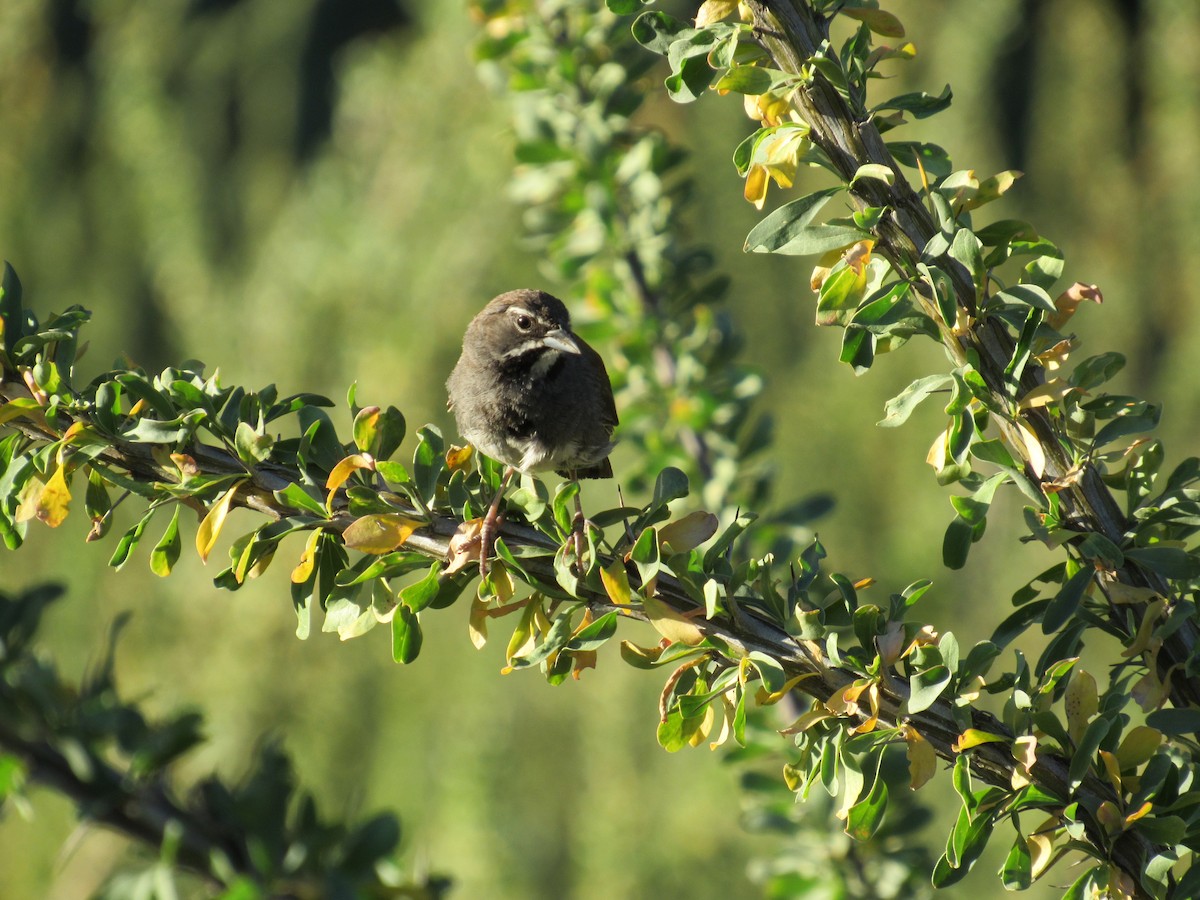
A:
274, 188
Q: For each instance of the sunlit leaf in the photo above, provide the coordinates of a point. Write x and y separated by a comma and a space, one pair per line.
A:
672, 625
54, 500
687, 533
379, 533
922, 758
214, 521
166, 552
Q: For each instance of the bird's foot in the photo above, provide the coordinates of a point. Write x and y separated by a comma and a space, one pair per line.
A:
487, 540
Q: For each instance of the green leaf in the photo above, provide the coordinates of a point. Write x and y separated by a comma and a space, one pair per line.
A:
172, 431
789, 229
925, 687
932, 158
130, 539
919, 104
751, 80
166, 552
1085, 754
671, 484
1026, 296
389, 434
882, 23
595, 635
956, 543
900, 407
11, 314
877, 171
769, 670
656, 31
691, 74
251, 446
1170, 562
428, 462
867, 814
645, 554
1066, 602
421, 594
1017, 871
1096, 370
406, 635
967, 250
295, 496
1176, 722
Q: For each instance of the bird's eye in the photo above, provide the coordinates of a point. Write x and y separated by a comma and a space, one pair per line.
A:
524, 323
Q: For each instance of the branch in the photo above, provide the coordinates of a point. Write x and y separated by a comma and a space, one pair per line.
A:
792, 32
743, 633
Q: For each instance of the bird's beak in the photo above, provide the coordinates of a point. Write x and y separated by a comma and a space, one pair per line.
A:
558, 339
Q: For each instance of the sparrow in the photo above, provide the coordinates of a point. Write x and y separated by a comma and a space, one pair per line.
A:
532, 395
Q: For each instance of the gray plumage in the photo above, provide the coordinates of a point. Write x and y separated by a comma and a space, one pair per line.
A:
529, 393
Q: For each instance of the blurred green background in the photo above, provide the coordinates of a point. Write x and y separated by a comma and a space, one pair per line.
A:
313, 193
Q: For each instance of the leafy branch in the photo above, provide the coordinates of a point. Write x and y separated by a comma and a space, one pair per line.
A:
378, 541
258, 838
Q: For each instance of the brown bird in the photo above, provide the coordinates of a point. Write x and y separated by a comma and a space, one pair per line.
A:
529, 393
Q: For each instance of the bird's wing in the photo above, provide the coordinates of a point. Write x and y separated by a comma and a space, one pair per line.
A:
608, 411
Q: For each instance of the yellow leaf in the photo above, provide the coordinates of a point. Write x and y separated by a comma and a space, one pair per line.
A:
1024, 752
1081, 703
868, 724
714, 11
1149, 692
844, 702
580, 660
379, 532
1041, 847
616, 583
54, 499
641, 657
992, 188
683, 535
756, 186
936, 456
308, 559
672, 625
765, 698
973, 737
1056, 357
793, 777
344, 470
22, 406
459, 458
1112, 769
210, 528
814, 716
1145, 638
523, 636
1139, 812
922, 759
1044, 394
726, 716
704, 728
1138, 746
477, 623
1034, 454
1110, 817
186, 464
1069, 300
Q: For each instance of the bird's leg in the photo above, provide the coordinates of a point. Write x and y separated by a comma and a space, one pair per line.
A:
577, 526
487, 529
